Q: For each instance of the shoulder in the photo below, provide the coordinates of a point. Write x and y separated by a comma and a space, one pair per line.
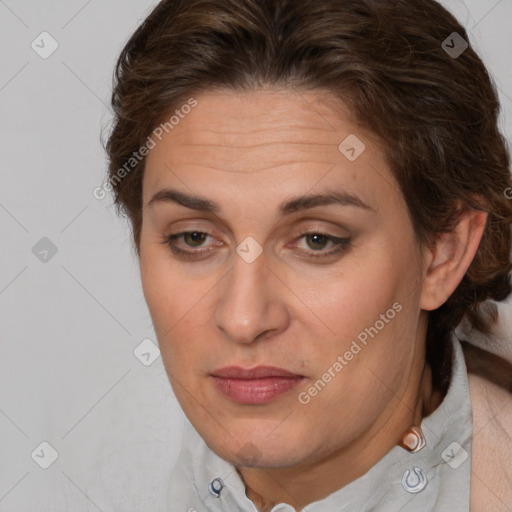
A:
491, 478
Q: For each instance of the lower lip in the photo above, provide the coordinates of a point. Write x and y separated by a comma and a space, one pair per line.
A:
256, 391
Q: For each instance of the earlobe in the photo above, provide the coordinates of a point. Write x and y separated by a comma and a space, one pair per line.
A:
450, 257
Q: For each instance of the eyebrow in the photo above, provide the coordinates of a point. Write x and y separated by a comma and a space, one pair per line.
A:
292, 205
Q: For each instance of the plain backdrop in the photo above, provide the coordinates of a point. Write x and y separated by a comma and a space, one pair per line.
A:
72, 312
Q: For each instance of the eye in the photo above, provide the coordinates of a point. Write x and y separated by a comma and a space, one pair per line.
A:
196, 239
191, 239
318, 241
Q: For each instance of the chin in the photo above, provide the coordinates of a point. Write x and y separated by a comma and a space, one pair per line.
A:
259, 449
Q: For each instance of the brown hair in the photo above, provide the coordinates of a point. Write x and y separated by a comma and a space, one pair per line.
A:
435, 113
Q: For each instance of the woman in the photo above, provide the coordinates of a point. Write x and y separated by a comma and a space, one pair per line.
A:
317, 191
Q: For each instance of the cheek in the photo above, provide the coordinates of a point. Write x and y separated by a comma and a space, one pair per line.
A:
352, 298
371, 311
177, 307
361, 369
168, 292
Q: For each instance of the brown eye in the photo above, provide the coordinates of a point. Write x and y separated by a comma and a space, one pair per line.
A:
318, 241
191, 239
194, 238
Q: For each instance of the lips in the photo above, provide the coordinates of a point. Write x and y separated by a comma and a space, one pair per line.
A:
256, 386
260, 372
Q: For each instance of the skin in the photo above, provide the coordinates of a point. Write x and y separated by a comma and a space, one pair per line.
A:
249, 152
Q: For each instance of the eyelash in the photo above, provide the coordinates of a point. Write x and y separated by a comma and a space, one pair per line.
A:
342, 244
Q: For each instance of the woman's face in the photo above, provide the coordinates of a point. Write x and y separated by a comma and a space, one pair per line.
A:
326, 290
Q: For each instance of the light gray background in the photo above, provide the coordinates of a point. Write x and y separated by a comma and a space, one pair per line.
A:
69, 326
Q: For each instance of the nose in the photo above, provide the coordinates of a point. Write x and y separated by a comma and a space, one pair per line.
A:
251, 302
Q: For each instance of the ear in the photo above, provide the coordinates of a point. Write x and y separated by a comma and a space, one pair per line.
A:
450, 257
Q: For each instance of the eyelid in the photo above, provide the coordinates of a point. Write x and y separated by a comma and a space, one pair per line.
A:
341, 244
174, 236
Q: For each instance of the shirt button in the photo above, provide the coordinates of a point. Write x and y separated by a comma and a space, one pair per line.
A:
215, 486
414, 481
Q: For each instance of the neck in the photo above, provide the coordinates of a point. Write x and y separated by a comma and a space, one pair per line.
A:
305, 484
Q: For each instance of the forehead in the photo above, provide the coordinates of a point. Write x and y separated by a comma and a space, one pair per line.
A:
225, 124
266, 140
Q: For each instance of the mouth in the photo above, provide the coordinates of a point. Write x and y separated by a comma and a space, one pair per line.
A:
256, 386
